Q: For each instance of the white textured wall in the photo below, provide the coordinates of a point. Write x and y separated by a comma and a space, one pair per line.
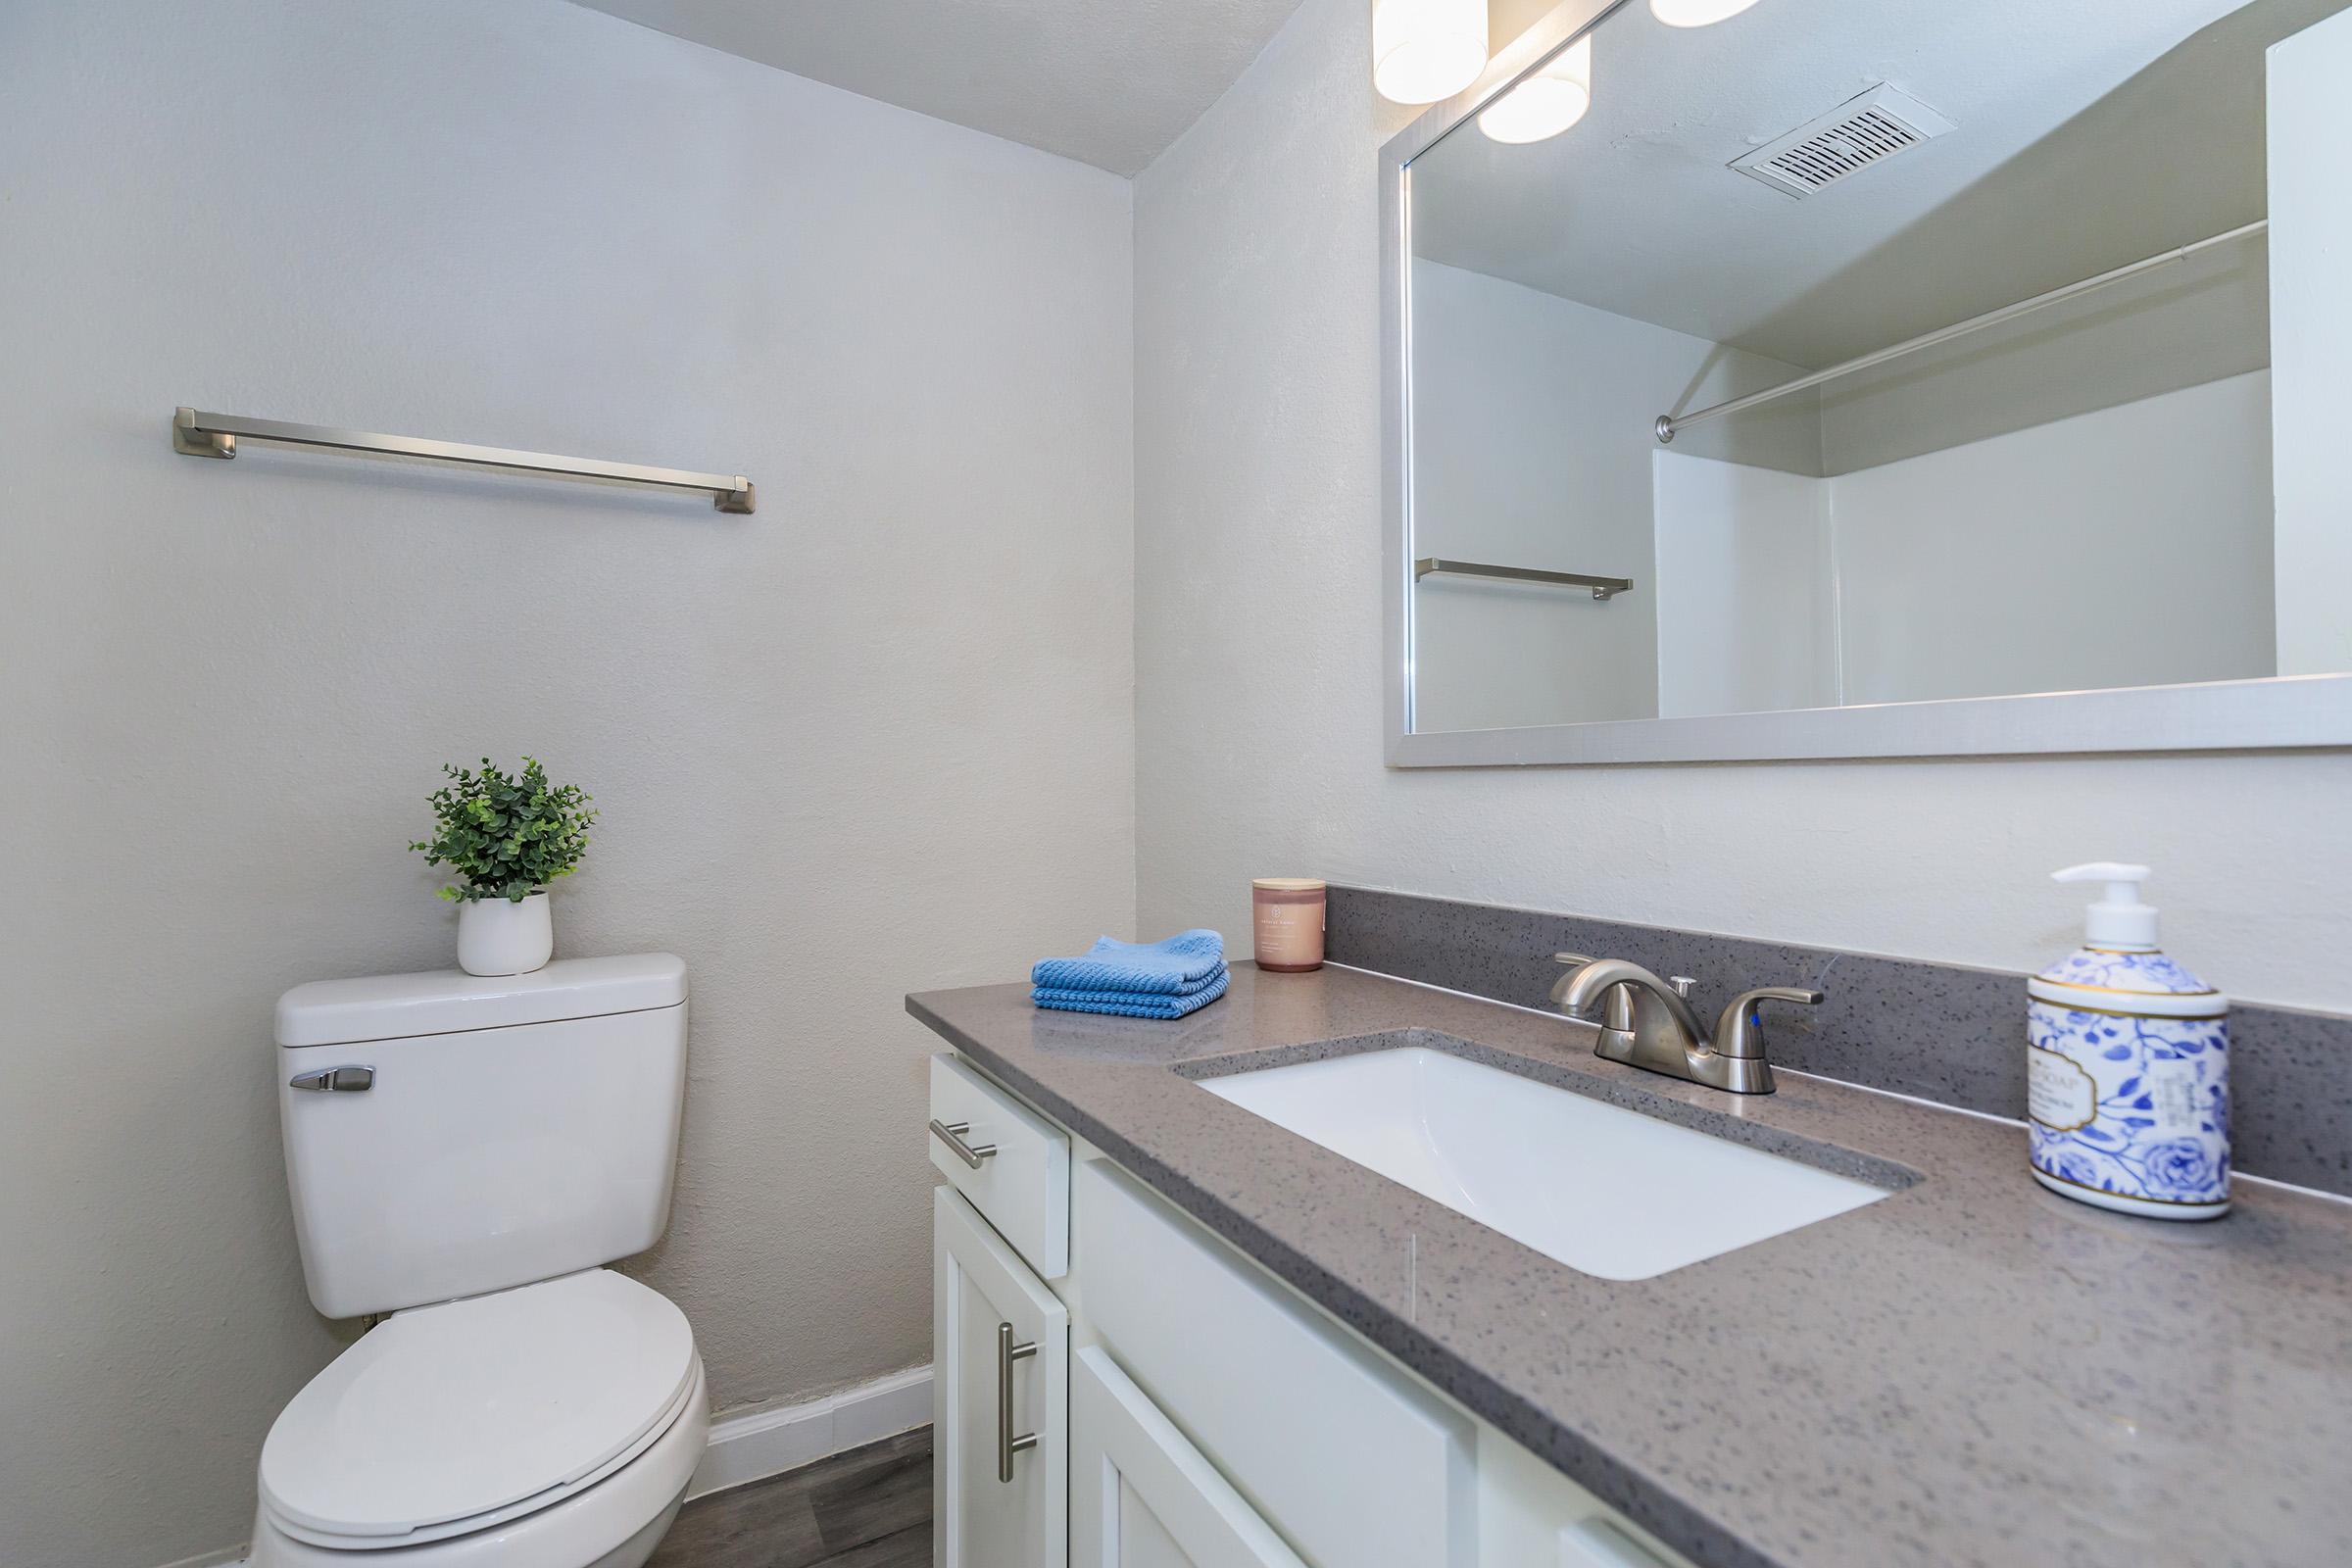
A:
2311, 256
1258, 649
876, 737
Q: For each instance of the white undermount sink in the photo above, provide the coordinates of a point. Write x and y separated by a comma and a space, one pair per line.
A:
1607, 1190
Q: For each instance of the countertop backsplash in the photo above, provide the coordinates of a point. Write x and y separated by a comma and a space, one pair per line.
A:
1949, 1033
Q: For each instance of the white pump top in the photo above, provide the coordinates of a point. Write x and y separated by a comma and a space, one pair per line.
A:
2120, 919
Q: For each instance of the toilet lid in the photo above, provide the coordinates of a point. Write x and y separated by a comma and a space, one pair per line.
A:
444, 1413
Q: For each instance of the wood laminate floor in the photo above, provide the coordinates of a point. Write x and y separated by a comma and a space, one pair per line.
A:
868, 1508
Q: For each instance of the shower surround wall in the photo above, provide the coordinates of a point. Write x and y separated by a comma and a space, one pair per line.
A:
2128, 546
875, 736
2124, 546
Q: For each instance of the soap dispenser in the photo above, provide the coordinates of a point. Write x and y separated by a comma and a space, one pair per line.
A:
2128, 1066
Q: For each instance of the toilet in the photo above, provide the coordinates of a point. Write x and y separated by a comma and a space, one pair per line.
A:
466, 1154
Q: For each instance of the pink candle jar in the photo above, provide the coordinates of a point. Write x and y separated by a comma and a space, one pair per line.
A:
1286, 920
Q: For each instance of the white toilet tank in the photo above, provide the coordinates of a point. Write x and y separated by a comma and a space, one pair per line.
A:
503, 1131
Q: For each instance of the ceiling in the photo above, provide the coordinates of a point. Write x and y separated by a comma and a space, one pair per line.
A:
2089, 135
1107, 82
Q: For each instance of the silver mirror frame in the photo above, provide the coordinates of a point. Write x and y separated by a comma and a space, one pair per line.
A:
2295, 711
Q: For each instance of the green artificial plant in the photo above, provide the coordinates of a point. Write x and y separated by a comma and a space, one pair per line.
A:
508, 837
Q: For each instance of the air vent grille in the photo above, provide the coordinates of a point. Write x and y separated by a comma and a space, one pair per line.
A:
1854, 136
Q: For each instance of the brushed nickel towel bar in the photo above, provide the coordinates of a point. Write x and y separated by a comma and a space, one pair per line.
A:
1669, 425
1603, 589
197, 434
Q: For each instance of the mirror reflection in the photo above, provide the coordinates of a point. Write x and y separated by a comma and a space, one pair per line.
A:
2024, 285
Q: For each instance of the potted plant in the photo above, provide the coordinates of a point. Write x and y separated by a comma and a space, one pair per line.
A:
506, 838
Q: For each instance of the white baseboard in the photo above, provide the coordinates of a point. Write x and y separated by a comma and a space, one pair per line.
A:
212, 1559
766, 1443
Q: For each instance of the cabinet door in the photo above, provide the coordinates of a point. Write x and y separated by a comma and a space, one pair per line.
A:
1000, 1346
1301, 1415
1531, 1516
1141, 1496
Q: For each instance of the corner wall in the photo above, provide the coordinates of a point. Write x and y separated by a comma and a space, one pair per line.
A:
2310, 252
875, 738
1258, 651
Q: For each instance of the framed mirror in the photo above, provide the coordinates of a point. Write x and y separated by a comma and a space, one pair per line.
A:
1855, 379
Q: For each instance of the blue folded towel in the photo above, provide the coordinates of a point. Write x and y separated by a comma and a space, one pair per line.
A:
1136, 979
1135, 1004
1178, 967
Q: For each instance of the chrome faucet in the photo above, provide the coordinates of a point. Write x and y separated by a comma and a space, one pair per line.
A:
1646, 1022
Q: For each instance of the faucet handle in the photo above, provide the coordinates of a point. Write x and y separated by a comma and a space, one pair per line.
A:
1738, 1033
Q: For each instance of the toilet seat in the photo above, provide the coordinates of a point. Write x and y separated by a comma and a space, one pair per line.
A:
453, 1418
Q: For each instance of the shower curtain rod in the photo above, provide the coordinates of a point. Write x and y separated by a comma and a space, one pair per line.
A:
1669, 425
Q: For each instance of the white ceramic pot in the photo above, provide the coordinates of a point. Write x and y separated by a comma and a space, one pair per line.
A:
499, 936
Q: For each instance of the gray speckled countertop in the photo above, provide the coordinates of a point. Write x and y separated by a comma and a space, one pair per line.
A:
1969, 1373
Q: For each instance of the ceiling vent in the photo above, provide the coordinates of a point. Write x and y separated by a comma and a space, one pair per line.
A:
1849, 138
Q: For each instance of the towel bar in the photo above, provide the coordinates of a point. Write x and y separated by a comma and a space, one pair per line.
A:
197, 434
1603, 589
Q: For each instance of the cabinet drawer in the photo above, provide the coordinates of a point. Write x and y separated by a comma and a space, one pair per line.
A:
1306, 1424
1011, 1164
1141, 1496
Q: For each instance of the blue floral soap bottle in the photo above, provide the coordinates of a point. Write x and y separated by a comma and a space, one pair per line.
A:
2128, 1066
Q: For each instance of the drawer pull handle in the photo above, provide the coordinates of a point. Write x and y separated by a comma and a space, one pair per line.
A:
1008, 1353
951, 1134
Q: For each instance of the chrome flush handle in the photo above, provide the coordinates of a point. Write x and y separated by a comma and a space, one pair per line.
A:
334, 1080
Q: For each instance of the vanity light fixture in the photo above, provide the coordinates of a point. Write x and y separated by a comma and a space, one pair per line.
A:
1696, 13
1426, 50
1547, 103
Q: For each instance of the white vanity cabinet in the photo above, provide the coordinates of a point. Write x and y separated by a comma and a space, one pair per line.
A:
1186, 1408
